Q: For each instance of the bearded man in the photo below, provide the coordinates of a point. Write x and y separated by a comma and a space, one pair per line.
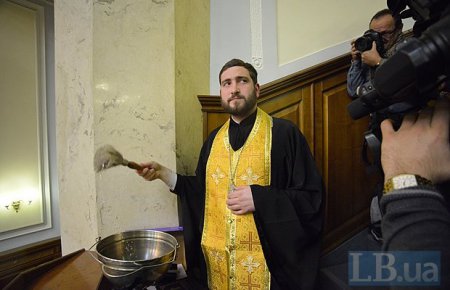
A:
252, 214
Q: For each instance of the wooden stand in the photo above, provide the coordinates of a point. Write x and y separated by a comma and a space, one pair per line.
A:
78, 270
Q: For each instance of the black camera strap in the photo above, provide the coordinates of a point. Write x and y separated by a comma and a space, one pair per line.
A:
372, 143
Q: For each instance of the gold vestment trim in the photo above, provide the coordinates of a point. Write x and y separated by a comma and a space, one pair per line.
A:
230, 243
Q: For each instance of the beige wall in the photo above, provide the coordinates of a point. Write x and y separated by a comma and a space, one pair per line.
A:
285, 36
307, 27
192, 75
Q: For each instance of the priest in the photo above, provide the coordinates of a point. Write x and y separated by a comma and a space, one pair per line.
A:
253, 213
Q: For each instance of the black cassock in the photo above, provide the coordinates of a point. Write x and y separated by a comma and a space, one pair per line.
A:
288, 213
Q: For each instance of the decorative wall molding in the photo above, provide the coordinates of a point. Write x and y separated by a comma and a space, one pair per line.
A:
256, 33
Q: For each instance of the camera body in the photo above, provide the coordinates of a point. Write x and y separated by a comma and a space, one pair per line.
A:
364, 42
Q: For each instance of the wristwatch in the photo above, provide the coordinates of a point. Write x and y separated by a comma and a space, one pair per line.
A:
404, 181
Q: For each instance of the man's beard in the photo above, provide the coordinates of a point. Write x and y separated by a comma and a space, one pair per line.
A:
240, 110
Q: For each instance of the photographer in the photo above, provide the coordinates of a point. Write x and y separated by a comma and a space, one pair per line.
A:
368, 53
415, 152
364, 63
416, 215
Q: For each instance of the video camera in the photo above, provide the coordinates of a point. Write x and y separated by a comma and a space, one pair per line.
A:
411, 76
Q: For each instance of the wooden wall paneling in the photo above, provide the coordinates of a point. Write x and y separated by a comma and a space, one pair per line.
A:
349, 188
17, 260
318, 129
27, 279
307, 116
296, 105
213, 114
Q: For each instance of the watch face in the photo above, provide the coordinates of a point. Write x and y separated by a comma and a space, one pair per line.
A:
403, 181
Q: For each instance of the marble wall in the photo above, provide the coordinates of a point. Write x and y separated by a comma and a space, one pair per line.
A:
114, 85
75, 123
134, 108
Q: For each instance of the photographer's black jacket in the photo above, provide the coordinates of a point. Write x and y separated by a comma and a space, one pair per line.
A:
418, 219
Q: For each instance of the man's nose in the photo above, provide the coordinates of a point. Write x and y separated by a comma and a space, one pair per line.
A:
235, 89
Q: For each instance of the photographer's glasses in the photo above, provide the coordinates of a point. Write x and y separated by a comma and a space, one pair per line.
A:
388, 32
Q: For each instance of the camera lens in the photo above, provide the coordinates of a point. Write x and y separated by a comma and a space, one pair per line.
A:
363, 43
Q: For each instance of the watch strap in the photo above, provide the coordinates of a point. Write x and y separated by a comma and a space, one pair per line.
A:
403, 181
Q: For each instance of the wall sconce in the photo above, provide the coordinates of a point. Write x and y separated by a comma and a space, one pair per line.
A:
16, 204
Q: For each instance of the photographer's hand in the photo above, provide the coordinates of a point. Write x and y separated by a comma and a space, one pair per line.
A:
371, 57
420, 146
356, 55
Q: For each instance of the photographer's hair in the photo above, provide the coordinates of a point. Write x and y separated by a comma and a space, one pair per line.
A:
237, 62
397, 18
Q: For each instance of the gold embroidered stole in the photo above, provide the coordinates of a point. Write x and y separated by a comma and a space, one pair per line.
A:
230, 243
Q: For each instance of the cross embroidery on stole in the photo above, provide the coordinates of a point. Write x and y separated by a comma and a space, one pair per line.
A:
230, 243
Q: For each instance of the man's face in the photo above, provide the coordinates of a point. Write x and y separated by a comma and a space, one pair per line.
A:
238, 93
384, 25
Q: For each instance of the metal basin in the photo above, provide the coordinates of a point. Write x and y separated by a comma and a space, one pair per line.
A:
123, 278
144, 254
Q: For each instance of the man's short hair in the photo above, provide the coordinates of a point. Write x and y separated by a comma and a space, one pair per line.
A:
237, 62
384, 12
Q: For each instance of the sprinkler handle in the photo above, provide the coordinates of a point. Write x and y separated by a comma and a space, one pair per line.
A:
134, 165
